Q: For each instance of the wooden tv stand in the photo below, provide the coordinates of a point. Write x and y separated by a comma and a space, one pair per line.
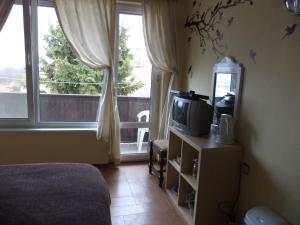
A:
216, 184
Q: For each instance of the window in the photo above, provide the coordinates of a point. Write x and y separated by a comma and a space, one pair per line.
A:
68, 90
13, 87
134, 82
43, 84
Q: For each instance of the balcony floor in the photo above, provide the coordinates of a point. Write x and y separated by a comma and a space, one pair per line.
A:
131, 148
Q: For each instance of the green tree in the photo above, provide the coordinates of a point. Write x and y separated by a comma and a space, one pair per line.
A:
65, 74
127, 83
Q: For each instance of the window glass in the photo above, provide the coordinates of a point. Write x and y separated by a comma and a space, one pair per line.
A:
13, 89
134, 140
223, 84
134, 84
69, 90
134, 78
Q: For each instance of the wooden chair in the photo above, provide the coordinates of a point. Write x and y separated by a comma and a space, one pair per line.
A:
158, 158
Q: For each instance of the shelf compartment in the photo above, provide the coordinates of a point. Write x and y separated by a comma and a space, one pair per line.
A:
175, 144
191, 180
185, 189
175, 165
172, 180
188, 155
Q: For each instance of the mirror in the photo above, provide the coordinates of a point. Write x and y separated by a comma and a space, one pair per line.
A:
292, 6
226, 88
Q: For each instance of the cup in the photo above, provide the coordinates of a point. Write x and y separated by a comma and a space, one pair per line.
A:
214, 129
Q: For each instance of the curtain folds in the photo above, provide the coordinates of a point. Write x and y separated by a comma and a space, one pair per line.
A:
89, 26
5, 8
159, 23
165, 121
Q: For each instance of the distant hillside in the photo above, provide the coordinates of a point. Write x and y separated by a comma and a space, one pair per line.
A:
12, 72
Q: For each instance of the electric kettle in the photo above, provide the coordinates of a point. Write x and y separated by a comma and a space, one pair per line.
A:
226, 132
225, 106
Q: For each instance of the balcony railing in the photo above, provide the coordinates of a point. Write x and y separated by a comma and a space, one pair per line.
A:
73, 108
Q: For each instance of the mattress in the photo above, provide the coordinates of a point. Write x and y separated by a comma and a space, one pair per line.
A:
53, 194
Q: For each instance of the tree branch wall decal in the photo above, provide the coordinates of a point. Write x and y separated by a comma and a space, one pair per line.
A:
204, 24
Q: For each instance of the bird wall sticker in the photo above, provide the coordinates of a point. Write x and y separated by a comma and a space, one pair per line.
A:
289, 30
194, 3
252, 55
230, 21
204, 23
190, 73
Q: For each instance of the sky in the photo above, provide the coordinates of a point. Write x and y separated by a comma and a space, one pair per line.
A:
223, 84
12, 52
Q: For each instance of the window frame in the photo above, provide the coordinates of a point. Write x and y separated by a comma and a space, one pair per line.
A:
29, 121
135, 9
131, 9
30, 17
35, 56
30, 24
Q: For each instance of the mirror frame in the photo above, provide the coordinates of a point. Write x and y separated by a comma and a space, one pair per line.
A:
230, 66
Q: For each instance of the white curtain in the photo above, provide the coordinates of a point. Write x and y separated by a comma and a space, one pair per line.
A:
5, 7
160, 36
89, 26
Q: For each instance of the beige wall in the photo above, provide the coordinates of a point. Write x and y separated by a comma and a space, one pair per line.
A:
269, 125
41, 146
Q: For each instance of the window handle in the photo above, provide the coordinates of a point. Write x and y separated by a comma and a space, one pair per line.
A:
28, 59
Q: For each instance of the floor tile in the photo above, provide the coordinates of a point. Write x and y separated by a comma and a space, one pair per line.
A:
120, 189
136, 198
122, 201
127, 210
153, 219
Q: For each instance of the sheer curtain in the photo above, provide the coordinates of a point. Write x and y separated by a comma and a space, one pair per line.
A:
5, 7
160, 37
89, 26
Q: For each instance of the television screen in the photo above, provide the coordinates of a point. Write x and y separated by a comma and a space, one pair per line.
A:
180, 111
191, 113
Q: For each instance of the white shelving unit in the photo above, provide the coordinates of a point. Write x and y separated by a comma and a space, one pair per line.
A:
217, 179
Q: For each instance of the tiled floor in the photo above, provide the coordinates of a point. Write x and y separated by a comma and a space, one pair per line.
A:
136, 197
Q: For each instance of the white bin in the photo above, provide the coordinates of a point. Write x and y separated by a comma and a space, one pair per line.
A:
263, 216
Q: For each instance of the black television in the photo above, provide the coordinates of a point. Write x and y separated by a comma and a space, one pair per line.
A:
191, 114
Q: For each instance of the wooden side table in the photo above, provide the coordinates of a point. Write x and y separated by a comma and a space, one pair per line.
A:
158, 158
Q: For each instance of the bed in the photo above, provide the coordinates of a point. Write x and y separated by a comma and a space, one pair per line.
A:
53, 194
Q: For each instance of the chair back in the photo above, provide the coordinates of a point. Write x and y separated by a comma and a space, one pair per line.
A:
142, 114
